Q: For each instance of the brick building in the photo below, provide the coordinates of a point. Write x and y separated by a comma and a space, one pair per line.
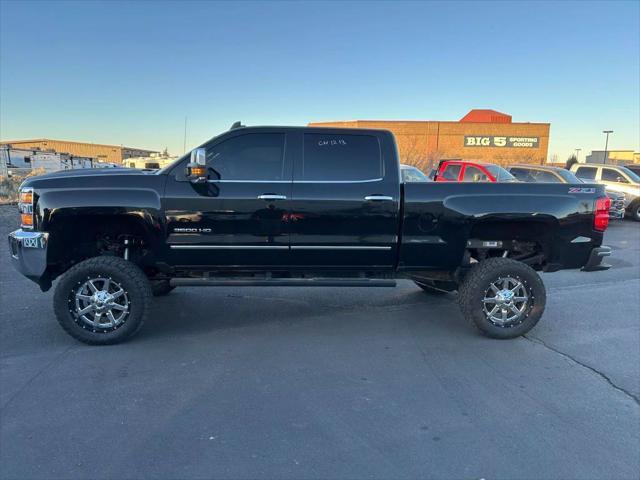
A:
103, 153
482, 135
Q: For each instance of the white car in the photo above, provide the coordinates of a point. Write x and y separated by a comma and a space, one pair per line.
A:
617, 179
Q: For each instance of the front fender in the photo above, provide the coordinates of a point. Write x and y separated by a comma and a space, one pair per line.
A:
143, 204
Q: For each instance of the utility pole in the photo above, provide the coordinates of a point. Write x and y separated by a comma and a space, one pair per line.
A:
184, 143
578, 150
606, 145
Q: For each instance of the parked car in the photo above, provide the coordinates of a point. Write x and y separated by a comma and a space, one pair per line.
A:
617, 179
412, 174
549, 174
297, 206
465, 171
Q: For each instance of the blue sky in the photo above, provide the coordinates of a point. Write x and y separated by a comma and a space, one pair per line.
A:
129, 72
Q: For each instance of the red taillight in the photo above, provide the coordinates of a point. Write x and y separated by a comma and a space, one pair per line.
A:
601, 219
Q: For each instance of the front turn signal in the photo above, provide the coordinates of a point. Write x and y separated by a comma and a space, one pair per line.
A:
26, 219
198, 171
26, 197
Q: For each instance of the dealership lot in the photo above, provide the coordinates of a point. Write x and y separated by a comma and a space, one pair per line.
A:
327, 383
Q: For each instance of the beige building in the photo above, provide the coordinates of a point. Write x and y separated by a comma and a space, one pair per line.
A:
103, 153
614, 156
481, 135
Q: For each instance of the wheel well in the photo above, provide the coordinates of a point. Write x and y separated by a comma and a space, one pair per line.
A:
79, 237
526, 241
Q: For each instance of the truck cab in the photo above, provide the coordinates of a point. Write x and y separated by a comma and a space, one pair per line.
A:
287, 197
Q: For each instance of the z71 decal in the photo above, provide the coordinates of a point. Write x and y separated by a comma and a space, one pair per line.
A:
582, 190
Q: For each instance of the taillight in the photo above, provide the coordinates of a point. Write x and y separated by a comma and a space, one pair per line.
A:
601, 219
25, 205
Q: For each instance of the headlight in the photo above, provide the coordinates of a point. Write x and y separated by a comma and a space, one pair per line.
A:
25, 205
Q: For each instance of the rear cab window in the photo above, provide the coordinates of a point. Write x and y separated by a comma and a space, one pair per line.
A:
340, 158
586, 173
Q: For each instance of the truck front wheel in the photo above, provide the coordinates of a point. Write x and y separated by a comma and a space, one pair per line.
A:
102, 300
503, 298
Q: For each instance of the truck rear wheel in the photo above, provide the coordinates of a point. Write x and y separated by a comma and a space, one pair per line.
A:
102, 300
503, 298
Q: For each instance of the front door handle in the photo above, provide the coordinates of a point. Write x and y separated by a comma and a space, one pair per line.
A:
378, 198
270, 196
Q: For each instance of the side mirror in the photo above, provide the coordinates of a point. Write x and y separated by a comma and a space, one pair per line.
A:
196, 168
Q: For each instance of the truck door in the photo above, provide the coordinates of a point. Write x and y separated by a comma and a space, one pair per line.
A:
238, 217
345, 201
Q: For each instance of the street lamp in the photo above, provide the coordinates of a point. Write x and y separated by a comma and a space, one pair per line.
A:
578, 150
606, 145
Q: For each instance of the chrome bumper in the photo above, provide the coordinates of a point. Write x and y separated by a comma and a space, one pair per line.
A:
29, 253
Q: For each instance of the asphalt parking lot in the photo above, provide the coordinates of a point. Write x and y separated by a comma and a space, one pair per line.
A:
327, 383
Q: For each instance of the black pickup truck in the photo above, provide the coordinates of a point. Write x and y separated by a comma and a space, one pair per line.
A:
296, 206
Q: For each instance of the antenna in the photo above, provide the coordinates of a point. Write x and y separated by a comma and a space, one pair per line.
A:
236, 125
184, 144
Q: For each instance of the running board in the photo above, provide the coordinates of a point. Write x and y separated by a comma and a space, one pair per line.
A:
282, 282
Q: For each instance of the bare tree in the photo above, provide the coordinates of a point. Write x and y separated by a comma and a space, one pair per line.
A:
572, 160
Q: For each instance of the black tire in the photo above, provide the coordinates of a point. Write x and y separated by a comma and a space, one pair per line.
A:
475, 297
634, 211
432, 289
160, 288
125, 279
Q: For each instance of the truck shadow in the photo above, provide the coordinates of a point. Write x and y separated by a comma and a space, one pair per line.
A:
189, 311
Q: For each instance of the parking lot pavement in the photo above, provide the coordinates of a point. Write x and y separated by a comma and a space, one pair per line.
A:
327, 383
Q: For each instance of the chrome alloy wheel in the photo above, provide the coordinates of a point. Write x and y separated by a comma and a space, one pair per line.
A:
99, 304
506, 302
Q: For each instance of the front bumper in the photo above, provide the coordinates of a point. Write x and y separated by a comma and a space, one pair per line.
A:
595, 259
29, 253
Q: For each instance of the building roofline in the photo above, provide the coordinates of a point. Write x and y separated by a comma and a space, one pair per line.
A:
12, 142
429, 121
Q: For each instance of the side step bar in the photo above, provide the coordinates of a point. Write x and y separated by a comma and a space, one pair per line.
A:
282, 282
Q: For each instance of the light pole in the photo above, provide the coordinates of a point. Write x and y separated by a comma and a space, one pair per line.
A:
578, 150
606, 145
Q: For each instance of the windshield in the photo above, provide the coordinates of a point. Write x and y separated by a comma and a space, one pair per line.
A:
167, 168
633, 176
500, 174
412, 174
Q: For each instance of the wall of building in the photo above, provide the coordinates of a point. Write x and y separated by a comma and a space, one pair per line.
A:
424, 143
103, 153
614, 156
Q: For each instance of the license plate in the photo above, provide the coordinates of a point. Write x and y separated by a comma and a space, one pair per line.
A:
31, 242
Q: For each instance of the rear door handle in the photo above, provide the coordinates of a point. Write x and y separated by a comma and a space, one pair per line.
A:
270, 196
378, 198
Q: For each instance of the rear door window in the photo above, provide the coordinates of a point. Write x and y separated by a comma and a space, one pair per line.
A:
521, 174
451, 171
546, 177
586, 173
340, 158
474, 174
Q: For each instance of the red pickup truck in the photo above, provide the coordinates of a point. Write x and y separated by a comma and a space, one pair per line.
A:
464, 171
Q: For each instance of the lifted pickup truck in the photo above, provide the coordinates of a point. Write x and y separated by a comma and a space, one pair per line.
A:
289, 206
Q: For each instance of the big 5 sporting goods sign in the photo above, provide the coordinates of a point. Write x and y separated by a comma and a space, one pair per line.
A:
507, 142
